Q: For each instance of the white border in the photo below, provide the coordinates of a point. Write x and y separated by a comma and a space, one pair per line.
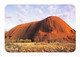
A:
3, 53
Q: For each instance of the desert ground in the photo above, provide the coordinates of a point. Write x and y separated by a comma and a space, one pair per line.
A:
40, 47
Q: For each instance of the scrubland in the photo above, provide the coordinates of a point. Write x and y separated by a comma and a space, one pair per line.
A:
40, 47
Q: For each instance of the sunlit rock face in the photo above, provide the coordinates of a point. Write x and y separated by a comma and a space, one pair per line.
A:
51, 28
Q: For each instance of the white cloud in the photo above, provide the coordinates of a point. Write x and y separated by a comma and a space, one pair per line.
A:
52, 9
7, 15
20, 9
20, 15
38, 11
22, 18
69, 8
29, 13
27, 7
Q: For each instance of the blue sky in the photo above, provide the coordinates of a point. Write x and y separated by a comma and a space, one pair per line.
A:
18, 14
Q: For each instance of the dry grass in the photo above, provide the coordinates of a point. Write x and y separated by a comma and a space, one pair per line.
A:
40, 47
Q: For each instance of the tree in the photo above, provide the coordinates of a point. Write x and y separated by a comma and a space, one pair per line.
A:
48, 41
18, 40
55, 40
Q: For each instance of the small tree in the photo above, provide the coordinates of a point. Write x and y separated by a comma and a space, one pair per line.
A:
48, 41
17, 40
55, 40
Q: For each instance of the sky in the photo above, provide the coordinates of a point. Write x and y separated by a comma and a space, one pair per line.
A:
23, 13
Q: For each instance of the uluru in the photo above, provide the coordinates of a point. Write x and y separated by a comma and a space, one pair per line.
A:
51, 28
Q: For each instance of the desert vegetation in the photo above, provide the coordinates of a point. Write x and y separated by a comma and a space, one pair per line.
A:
28, 46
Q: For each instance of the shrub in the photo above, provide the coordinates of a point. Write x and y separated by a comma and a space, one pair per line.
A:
21, 40
55, 40
36, 40
12, 41
17, 40
48, 41
27, 40
7, 43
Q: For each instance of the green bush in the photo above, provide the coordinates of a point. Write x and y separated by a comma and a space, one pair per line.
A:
7, 43
17, 40
48, 41
55, 40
